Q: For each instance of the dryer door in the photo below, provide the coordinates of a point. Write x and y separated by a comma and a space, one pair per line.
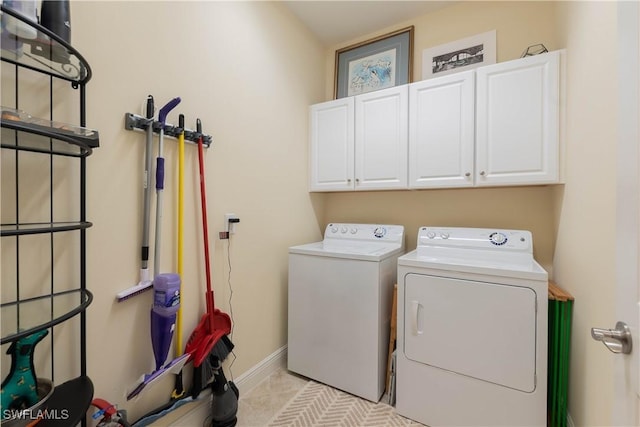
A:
482, 330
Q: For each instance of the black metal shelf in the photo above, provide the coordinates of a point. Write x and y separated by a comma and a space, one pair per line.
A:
47, 54
33, 305
69, 402
25, 317
48, 137
41, 227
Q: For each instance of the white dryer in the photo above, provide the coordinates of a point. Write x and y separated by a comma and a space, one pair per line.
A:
472, 329
340, 292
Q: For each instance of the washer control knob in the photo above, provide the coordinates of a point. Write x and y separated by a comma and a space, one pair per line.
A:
497, 238
431, 234
343, 230
354, 230
444, 235
379, 232
334, 229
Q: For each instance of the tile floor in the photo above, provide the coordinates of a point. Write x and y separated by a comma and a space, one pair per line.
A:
258, 405
263, 401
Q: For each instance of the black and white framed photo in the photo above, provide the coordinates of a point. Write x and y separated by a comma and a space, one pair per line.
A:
379, 63
459, 55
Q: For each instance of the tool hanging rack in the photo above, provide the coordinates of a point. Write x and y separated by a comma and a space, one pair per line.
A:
133, 121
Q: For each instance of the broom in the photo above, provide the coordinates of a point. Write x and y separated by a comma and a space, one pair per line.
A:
178, 390
208, 344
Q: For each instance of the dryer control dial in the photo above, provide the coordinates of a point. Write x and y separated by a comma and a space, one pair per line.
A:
497, 238
380, 232
334, 229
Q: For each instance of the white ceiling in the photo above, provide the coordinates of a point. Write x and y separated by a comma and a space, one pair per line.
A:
334, 22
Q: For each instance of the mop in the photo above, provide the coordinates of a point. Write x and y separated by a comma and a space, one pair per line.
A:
177, 396
145, 281
163, 313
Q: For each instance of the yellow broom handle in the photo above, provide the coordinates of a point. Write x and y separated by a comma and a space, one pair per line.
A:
180, 236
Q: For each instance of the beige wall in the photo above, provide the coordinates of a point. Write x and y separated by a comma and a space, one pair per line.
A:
249, 70
585, 208
518, 25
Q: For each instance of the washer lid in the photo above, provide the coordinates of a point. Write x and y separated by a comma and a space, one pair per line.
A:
368, 242
365, 251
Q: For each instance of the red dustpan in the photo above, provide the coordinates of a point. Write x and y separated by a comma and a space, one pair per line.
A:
214, 324
205, 337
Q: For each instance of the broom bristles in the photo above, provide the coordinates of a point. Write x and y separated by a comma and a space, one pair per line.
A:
203, 374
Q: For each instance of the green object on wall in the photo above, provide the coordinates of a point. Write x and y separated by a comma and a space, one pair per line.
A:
560, 313
19, 388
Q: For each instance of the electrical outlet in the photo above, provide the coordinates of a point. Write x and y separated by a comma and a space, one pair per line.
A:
230, 221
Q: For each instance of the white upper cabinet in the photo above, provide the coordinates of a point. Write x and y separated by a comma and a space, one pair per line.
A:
441, 131
517, 122
331, 145
381, 139
497, 125
359, 142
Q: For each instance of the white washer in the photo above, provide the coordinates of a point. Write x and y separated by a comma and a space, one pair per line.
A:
340, 292
472, 329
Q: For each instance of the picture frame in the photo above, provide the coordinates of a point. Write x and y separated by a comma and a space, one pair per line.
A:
378, 63
460, 55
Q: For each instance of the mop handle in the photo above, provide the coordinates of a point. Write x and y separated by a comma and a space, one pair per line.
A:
164, 111
162, 116
146, 184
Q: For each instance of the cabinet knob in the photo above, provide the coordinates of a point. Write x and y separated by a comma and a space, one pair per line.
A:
468, 174
349, 180
482, 173
357, 180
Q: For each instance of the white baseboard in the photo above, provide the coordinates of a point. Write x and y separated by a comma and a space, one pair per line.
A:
245, 382
267, 366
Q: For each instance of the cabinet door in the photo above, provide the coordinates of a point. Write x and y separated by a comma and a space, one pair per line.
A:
442, 131
381, 139
517, 139
331, 145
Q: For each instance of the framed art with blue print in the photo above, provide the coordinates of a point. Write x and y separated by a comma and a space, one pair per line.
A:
379, 63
